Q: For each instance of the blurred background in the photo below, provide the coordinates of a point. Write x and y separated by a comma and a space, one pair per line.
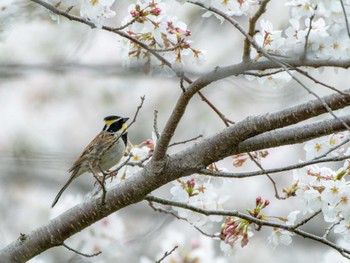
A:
59, 79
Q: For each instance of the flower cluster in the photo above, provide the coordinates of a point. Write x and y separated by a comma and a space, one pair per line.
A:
317, 30
320, 188
230, 7
320, 23
320, 146
237, 230
199, 191
281, 236
149, 23
324, 23
97, 11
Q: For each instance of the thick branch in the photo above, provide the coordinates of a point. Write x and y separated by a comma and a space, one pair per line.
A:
294, 135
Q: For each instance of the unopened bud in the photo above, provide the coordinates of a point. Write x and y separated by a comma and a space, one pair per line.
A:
156, 11
258, 200
267, 202
134, 13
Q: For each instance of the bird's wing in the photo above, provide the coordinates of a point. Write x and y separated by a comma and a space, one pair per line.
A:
97, 145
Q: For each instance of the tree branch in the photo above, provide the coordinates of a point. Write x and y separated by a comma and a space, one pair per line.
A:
294, 135
251, 30
273, 170
253, 133
251, 219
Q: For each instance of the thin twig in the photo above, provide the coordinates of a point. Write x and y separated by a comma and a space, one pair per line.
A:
155, 124
81, 254
141, 162
161, 210
306, 74
251, 30
126, 25
274, 170
268, 176
165, 49
332, 149
186, 141
304, 221
259, 75
100, 182
114, 172
166, 254
329, 229
182, 86
211, 105
303, 57
137, 112
345, 17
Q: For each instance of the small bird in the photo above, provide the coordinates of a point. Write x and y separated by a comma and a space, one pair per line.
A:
103, 152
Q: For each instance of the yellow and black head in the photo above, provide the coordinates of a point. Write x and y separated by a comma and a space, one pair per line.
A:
115, 124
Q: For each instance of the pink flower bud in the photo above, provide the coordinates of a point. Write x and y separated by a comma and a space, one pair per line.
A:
134, 13
258, 200
156, 11
267, 202
191, 183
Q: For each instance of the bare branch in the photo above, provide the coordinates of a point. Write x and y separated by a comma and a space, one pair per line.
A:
274, 170
226, 121
114, 172
345, 17
303, 57
329, 229
259, 75
155, 124
306, 74
186, 141
294, 135
304, 221
166, 254
136, 113
268, 176
81, 254
174, 214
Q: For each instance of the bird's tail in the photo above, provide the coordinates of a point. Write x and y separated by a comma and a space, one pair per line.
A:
73, 176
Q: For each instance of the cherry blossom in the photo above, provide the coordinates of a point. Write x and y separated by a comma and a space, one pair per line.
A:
280, 236
198, 191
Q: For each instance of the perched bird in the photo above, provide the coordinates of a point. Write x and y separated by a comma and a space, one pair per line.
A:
103, 152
